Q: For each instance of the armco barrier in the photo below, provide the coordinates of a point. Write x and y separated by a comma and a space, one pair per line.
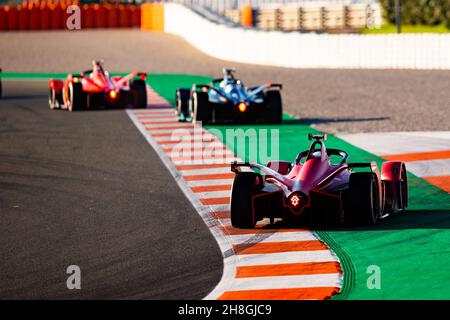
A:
311, 50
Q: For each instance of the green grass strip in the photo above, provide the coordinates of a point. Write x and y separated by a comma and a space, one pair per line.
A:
392, 28
410, 249
31, 75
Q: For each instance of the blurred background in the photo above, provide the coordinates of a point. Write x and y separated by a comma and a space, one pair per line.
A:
334, 16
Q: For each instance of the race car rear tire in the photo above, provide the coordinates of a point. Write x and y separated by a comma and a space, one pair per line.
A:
182, 100
140, 94
245, 186
59, 100
52, 103
362, 202
274, 105
77, 98
200, 112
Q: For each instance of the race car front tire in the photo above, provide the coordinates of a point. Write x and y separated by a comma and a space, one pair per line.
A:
182, 100
245, 186
77, 97
140, 94
200, 112
362, 201
274, 106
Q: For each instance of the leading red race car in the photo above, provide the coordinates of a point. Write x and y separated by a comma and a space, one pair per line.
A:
96, 88
314, 188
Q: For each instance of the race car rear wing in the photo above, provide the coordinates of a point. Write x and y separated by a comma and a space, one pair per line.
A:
267, 86
205, 88
275, 85
141, 75
372, 165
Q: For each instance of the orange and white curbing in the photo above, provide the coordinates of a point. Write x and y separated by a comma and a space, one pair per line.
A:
260, 263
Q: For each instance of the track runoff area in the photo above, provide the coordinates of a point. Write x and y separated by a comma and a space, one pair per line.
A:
407, 251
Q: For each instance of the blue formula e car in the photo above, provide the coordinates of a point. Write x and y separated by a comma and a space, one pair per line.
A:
227, 100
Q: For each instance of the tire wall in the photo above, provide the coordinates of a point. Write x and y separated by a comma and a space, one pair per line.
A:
46, 15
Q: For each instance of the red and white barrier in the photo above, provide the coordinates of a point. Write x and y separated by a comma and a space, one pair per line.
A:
46, 15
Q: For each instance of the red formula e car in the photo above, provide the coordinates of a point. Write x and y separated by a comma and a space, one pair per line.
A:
318, 190
96, 88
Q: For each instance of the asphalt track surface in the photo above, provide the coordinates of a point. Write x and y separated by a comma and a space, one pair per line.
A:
332, 100
85, 189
